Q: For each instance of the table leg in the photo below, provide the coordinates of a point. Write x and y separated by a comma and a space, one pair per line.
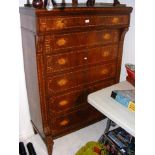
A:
108, 125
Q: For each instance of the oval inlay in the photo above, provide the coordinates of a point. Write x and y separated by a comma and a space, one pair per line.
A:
104, 71
61, 61
61, 42
64, 122
105, 53
115, 20
63, 102
60, 23
106, 36
62, 82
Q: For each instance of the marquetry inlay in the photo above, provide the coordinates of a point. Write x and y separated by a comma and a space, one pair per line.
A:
47, 44
39, 44
61, 61
42, 24
106, 36
104, 71
62, 82
115, 20
64, 122
60, 23
61, 42
105, 53
63, 102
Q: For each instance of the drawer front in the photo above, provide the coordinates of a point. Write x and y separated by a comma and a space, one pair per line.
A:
101, 72
60, 23
67, 101
60, 62
112, 20
99, 85
101, 54
67, 81
80, 39
63, 82
71, 120
85, 39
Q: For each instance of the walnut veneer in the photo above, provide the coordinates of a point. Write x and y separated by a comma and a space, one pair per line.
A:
68, 54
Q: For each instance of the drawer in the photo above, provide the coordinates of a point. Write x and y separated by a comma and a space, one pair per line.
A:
60, 62
64, 61
101, 54
67, 101
73, 119
51, 23
54, 43
100, 85
59, 83
101, 72
116, 20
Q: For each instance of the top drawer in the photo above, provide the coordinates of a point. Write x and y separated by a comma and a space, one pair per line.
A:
57, 42
51, 23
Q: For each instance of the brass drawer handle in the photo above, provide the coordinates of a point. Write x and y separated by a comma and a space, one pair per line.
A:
61, 61
106, 36
64, 122
63, 102
61, 42
62, 82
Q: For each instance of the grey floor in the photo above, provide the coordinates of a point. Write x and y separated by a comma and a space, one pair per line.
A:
69, 144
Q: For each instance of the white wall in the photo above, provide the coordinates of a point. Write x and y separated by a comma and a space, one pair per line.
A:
25, 128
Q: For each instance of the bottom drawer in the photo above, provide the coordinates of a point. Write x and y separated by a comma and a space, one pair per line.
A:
74, 119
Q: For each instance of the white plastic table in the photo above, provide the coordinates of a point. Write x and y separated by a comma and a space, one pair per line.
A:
116, 112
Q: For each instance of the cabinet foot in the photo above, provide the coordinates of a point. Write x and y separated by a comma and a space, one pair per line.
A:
49, 144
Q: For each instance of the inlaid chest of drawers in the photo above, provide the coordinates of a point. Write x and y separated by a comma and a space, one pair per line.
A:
68, 54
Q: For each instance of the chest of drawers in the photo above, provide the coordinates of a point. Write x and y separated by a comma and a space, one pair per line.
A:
67, 55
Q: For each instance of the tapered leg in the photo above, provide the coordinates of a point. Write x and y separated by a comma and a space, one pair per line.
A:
49, 144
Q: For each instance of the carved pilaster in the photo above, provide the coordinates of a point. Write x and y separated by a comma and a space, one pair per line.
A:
48, 44
120, 51
39, 44
42, 24
43, 103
